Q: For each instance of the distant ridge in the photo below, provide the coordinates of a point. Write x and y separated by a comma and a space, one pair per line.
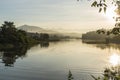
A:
35, 29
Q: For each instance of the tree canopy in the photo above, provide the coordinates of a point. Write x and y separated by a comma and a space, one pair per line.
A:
11, 35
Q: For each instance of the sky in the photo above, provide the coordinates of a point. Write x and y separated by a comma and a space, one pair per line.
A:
54, 14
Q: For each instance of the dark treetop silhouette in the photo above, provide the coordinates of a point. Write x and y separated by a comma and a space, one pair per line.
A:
12, 36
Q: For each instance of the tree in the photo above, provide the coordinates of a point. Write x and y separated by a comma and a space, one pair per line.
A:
11, 35
44, 36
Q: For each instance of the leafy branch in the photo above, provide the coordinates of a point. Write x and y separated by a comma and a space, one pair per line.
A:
100, 4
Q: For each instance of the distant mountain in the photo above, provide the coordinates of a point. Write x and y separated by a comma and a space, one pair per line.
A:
35, 29
54, 32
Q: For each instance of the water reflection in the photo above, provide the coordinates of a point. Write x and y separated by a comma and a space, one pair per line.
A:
114, 59
112, 72
9, 56
104, 45
43, 61
44, 44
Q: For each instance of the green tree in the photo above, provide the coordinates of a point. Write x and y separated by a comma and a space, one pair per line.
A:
11, 35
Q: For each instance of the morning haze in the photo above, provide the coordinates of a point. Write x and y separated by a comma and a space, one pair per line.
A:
65, 14
59, 40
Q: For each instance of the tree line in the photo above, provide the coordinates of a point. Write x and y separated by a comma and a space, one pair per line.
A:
9, 34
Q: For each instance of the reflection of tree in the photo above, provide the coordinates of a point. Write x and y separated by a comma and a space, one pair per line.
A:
44, 44
108, 46
9, 59
104, 46
10, 55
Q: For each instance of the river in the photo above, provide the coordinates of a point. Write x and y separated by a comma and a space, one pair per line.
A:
52, 61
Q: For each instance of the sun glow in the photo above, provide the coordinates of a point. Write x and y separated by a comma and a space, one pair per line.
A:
110, 13
114, 59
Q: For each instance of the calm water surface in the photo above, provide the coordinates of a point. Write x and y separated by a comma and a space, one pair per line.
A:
52, 61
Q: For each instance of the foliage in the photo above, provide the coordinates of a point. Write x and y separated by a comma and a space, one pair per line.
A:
44, 36
101, 5
70, 76
39, 36
112, 73
11, 35
115, 31
98, 78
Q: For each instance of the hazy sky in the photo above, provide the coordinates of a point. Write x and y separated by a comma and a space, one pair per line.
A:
58, 14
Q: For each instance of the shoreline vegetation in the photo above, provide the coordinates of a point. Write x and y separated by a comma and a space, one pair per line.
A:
11, 37
109, 73
94, 37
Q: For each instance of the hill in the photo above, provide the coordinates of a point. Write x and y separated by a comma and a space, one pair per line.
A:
35, 29
52, 33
